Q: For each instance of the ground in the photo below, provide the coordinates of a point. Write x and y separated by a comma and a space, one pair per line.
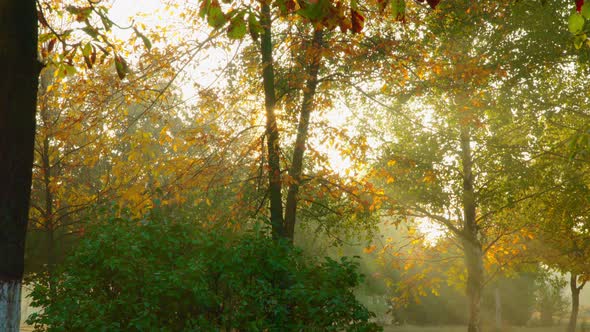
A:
463, 329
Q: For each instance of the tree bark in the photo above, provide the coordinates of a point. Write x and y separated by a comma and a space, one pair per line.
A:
471, 244
302, 133
10, 305
571, 326
20, 74
272, 132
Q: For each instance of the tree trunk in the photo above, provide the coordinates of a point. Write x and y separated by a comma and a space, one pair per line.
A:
272, 132
471, 244
474, 263
20, 74
498, 301
10, 305
49, 225
302, 132
571, 326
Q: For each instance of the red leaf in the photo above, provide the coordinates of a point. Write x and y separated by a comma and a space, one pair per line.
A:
382, 4
434, 3
358, 21
51, 44
290, 4
579, 4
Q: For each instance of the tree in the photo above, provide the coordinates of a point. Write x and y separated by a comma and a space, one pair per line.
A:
458, 155
20, 67
292, 85
20, 71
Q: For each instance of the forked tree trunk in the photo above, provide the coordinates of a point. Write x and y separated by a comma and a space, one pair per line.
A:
471, 244
19, 78
571, 326
315, 54
272, 132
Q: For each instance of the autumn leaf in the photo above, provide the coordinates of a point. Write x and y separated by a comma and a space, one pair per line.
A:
146, 42
369, 249
254, 27
121, 66
358, 21
237, 27
215, 16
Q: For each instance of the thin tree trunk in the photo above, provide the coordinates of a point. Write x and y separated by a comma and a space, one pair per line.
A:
47, 169
571, 326
18, 85
471, 244
272, 132
302, 133
498, 301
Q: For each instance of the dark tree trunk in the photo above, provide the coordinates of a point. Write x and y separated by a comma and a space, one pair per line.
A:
471, 244
272, 132
18, 85
571, 326
302, 132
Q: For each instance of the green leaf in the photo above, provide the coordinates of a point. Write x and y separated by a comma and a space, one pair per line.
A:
204, 8
215, 16
146, 42
121, 66
398, 8
106, 22
92, 32
315, 11
237, 27
586, 10
82, 13
87, 49
254, 27
576, 23
579, 40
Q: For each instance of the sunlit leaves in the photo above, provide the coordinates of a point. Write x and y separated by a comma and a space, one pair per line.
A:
81, 13
215, 16
121, 66
576, 23
358, 21
254, 27
82, 24
146, 42
237, 27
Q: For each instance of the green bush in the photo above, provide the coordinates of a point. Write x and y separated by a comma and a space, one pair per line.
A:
160, 275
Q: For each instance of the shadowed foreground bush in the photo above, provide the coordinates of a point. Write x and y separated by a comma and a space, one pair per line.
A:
166, 276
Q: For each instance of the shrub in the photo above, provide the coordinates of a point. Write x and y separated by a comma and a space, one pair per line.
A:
173, 276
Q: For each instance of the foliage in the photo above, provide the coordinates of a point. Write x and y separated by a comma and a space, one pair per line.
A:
551, 302
155, 273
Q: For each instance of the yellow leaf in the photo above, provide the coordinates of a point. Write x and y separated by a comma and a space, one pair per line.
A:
370, 249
